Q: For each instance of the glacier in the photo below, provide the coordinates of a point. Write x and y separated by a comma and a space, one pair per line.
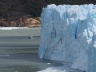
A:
68, 34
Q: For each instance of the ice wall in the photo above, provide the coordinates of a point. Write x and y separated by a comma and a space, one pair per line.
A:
68, 34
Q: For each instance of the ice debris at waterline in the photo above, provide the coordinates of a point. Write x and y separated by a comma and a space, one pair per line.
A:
65, 68
68, 34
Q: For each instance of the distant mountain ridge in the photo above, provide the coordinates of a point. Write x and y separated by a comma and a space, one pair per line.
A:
21, 22
33, 8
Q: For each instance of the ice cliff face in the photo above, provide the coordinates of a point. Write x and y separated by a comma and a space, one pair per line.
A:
68, 34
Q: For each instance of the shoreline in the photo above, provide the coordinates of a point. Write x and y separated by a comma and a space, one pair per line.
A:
10, 28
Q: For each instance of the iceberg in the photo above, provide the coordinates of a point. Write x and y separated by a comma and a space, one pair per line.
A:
68, 34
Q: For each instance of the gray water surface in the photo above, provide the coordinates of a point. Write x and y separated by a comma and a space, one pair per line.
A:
20, 54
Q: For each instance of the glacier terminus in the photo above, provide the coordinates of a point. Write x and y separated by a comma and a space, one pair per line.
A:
68, 34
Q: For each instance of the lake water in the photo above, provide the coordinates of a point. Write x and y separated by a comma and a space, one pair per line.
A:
20, 54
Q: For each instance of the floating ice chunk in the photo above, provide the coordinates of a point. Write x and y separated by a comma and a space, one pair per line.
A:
65, 68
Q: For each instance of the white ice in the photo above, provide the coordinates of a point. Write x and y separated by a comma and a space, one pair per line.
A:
68, 34
11, 28
65, 68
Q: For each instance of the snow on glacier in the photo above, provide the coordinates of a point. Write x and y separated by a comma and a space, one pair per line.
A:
68, 34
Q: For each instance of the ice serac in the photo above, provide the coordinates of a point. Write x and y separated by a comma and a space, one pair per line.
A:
68, 34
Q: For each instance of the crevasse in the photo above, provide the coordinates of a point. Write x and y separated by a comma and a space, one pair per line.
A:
68, 34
